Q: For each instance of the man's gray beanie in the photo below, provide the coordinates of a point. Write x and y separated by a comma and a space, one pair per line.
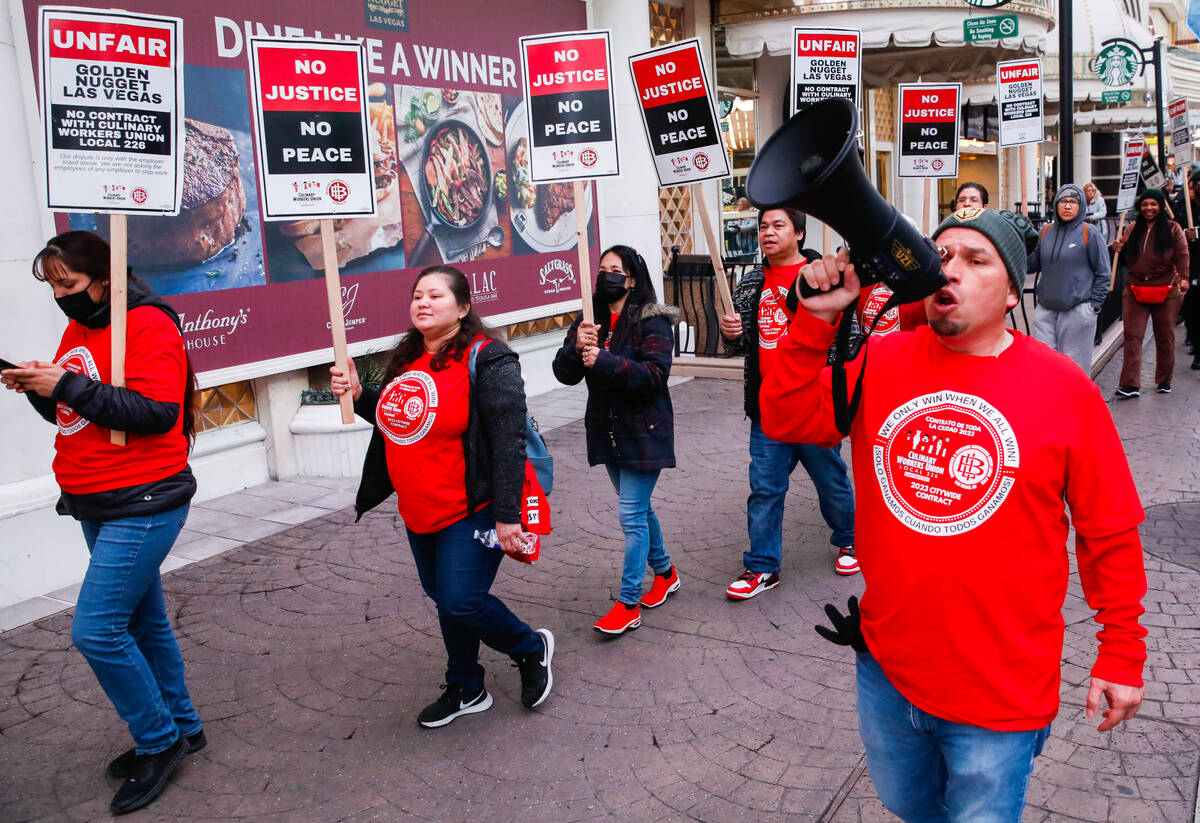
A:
1011, 233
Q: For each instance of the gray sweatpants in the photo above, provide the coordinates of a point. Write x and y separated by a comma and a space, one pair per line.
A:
1070, 332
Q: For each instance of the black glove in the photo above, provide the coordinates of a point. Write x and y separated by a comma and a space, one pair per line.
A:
847, 629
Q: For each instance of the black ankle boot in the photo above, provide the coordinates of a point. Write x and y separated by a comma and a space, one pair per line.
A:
121, 766
148, 777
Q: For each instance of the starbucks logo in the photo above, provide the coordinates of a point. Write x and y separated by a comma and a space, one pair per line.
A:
1117, 64
987, 4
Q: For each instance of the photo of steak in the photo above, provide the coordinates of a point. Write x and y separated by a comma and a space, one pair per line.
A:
553, 200
212, 206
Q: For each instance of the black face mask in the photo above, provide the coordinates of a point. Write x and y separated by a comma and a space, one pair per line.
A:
610, 286
78, 306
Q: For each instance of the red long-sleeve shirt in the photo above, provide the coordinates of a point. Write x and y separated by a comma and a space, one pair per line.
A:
962, 466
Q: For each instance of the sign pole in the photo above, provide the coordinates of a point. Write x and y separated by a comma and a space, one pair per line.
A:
723, 295
1024, 186
927, 222
1112, 280
118, 299
337, 320
585, 253
1187, 195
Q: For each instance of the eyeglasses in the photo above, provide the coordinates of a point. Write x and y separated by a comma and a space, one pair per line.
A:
1069, 201
968, 200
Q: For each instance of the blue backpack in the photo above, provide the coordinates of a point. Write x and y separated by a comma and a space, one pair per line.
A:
535, 445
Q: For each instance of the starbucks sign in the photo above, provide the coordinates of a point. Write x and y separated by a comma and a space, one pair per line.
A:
1117, 64
987, 4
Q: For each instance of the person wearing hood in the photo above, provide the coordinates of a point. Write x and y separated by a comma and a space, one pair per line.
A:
131, 500
1073, 262
625, 359
1156, 252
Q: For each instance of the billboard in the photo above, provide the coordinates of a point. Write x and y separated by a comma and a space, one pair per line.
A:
450, 173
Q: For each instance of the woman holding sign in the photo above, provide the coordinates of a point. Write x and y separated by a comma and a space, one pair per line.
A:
131, 500
1156, 253
451, 444
626, 359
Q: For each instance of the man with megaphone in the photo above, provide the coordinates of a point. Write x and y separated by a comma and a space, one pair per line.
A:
968, 440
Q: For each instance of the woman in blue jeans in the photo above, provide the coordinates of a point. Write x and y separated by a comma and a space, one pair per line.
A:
131, 500
452, 448
625, 357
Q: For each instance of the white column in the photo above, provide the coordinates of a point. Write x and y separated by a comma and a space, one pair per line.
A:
629, 202
697, 22
1083, 158
30, 322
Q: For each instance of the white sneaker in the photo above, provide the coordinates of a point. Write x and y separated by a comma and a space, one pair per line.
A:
846, 563
750, 584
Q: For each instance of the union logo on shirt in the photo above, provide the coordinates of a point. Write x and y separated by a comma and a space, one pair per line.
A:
772, 319
407, 408
77, 361
875, 301
945, 462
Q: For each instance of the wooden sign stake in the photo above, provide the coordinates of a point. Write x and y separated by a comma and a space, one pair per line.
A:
1112, 280
337, 320
585, 254
1187, 195
929, 184
714, 249
1024, 188
118, 300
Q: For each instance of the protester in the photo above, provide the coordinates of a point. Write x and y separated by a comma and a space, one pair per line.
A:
961, 485
1156, 254
1190, 308
971, 195
761, 299
1096, 210
453, 450
131, 500
625, 359
1073, 259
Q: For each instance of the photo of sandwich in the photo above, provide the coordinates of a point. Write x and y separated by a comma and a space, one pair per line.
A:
358, 237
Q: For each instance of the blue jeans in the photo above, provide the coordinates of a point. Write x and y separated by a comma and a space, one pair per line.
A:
456, 570
930, 770
643, 535
121, 627
771, 466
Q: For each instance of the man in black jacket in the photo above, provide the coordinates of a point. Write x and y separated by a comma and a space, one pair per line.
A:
761, 302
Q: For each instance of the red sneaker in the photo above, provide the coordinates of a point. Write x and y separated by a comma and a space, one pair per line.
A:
663, 585
620, 619
750, 584
846, 563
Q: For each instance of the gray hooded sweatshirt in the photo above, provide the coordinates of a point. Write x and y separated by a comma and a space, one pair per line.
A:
1073, 271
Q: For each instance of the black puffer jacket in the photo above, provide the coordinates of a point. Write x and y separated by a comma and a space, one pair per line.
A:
494, 443
629, 420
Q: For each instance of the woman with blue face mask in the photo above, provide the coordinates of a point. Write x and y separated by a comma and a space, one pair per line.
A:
625, 359
131, 500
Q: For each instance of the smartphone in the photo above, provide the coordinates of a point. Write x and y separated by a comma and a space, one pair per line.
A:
4, 364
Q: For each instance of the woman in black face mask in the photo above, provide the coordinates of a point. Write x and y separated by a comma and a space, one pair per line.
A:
626, 358
131, 500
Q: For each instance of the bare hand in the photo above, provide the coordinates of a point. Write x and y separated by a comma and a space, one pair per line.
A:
731, 326
1191, 234
1123, 702
340, 384
1184, 286
588, 334
35, 376
589, 356
1119, 243
823, 274
509, 535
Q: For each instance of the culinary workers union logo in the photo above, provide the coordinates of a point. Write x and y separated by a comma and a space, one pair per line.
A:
945, 462
407, 408
876, 300
77, 361
772, 320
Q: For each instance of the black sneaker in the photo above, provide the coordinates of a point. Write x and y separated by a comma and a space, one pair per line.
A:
149, 774
1128, 391
453, 703
121, 766
1164, 387
536, 675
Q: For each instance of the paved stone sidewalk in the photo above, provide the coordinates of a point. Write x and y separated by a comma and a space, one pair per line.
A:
311, 650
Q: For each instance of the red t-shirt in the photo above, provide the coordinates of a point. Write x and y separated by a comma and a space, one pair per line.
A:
85, 461
423, 415
904, 317
773, 314
962, 465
